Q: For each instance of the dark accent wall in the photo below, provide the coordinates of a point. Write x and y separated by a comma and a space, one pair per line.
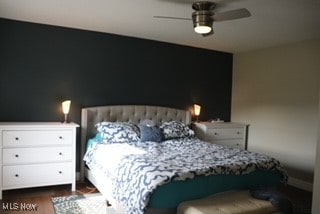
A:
42, 65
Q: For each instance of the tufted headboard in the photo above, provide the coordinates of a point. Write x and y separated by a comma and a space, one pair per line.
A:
126, 113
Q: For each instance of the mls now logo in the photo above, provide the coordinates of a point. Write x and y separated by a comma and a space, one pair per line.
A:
19, 207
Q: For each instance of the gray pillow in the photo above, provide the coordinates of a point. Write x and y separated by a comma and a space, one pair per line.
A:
150, 133
147, 122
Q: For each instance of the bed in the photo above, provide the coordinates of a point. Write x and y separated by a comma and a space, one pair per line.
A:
200, 180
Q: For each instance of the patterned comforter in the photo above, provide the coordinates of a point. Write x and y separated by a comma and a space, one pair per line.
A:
137, 169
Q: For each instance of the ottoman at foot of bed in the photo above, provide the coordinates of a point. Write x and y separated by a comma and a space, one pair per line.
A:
235, 202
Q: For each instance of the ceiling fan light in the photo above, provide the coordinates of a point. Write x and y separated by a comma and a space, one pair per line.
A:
202, 29
202, 21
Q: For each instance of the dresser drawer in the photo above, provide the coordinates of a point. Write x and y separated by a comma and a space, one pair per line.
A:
37, 155
234, 143
36, 175
226, 133
36, 137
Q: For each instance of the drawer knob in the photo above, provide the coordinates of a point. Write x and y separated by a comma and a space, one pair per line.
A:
16, 138
215, 133
238, 132
60, 137
16, 175
60, 153
16, 155
60, 172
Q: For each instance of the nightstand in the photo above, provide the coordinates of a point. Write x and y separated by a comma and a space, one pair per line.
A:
223, 133
37, 154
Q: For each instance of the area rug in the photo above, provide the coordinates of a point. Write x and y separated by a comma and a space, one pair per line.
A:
82, 204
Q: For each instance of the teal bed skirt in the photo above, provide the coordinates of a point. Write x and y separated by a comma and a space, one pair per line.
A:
172, 194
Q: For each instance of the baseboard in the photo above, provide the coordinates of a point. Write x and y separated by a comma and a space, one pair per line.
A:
300, 184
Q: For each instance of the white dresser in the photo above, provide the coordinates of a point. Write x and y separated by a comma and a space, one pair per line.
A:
223, 133
37, 154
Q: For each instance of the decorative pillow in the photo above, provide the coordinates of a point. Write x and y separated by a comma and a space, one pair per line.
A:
150, 133
175, 129
93, 141
118, 132
147, 122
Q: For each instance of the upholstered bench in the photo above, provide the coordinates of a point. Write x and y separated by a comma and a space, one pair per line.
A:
236, 202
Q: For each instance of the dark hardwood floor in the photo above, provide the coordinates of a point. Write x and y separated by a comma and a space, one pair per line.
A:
38, 200
301, 200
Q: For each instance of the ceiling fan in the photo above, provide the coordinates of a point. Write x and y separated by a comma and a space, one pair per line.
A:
204, 16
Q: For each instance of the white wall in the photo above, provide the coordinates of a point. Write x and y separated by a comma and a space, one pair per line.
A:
316, 184
275, 90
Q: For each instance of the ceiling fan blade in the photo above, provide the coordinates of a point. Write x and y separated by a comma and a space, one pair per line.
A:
171, 17
232, 14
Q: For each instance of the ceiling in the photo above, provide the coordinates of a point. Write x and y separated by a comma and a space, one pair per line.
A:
272, 22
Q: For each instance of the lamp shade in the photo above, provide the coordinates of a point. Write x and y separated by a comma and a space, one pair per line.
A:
66, 106
197, 109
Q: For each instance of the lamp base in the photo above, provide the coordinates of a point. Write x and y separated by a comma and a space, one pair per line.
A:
66, 119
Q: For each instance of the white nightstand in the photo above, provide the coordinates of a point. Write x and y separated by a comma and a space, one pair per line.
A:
223, 133
37, 154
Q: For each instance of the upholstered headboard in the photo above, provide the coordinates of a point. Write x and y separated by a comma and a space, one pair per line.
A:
129, 113
126, 113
